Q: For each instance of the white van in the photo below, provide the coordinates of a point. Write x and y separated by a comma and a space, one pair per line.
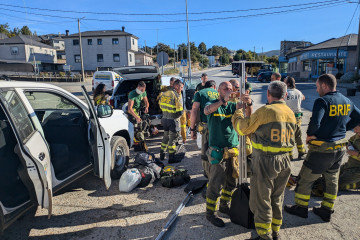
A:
109, 78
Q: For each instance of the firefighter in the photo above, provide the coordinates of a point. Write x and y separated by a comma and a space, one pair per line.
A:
293, 100
272, 129
136, 98
332, 114
223, 142
200, 99
275, 77
200, 86
171, 105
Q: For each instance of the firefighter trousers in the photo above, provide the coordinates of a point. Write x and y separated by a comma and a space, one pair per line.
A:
171, 134
299, 143
350, 175
204, 131
220, 179
315, 165
270, 173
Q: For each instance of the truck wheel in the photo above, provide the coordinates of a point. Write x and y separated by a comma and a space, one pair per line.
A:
119, 156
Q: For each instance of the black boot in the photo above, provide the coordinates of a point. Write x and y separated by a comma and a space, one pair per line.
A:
324, 213
257, 238
224, 208
173, 159
297, 210
275, 235
301, 156
162, 155
214, 219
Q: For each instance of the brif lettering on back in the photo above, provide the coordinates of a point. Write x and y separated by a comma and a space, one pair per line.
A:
165, 99
283, 135
339, 110
214, 95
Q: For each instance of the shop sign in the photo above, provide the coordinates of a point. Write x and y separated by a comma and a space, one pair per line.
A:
323, 54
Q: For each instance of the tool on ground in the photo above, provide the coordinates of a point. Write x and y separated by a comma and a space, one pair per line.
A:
192, 188
240, 212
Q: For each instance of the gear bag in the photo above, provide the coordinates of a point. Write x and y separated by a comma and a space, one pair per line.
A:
171, 177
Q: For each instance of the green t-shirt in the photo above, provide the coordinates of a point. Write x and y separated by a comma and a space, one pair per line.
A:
221, 131
248, 86
137, 98
204, 96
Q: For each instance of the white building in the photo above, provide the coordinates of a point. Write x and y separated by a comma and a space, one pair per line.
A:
101, 49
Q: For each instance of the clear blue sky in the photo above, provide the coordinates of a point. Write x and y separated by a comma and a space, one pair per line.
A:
262, 31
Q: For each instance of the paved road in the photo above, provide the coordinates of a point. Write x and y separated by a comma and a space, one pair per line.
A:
85, 210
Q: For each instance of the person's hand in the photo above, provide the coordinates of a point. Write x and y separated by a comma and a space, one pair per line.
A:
138, 120
193, 135
146, 110
309, 138
246, 99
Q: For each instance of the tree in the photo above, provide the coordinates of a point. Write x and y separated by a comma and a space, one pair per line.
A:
165, 48
202, 48
204, 61
5, 28
25, 30
224, 59
194, 52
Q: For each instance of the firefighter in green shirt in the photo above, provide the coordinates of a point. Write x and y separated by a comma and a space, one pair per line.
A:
136, 97
223, 142
200, 99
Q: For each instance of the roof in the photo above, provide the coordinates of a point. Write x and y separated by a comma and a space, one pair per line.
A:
104, 33
24, 39
141, 52
3, 35
349, 40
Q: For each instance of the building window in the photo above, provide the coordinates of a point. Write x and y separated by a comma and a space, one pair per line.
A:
115, 41
89, 41
99, 41
31, 51
14, 50
116, 57
100, 58
133, 41
307, 66
76, 42
295, 66
77, 58
130, 57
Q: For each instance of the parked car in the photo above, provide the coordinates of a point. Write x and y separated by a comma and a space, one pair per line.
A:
264, 76
48, 139
109, 78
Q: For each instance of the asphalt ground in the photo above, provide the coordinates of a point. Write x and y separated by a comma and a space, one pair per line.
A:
85, 210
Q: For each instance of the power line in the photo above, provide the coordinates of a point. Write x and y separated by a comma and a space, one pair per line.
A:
333, 3
171, 14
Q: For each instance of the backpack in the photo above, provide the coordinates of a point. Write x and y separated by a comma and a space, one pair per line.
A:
147, 176
172, 177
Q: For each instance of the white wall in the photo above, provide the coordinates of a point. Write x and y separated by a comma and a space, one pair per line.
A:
5, 52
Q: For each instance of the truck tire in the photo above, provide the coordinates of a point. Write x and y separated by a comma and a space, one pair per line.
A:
120, 153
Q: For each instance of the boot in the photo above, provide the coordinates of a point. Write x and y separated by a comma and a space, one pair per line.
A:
324, 213
173, 159
297, 210
275, 235
214, 219
301, 156
224, 208
257, 238
162, 155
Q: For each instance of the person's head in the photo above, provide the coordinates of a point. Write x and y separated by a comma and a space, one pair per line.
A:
224, 88
210, 84
276, 76
326, 83
235, 84
276, 91
204, 78
178, 86
101, 88
172, 80
357, 129
141, 87
290, 82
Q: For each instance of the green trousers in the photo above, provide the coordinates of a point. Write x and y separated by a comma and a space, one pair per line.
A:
270, 173
171, 134
315, 165
220, 180
350, 175
298, 139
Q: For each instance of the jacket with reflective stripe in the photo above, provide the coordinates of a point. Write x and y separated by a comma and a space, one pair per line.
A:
272, 127
171, 104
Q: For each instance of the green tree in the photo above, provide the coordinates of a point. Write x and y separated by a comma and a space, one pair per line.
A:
25, 30
204, 61
194, 52
274, 60
165, 48
202, 48
224, 59
5, 28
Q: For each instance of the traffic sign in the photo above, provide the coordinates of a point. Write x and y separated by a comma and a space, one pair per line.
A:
184, 62
162, 58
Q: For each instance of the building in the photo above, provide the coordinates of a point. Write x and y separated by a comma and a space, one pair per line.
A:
336, 55
25, 48
288, 46
57, 41
143, 58
102, 50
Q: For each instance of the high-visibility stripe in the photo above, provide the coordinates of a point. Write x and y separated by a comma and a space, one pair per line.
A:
354, 185
238, 129
347, 186
208, 200
302, 196
300, 145
164, 144
275, 228
183, 126
172, 147
355, 157
277, 221
171, 111
329, 196
327, 204
301, 202
226, 192
222, 115
168, 105
228, 199
211, 208
263, 225
263, 228
270, 149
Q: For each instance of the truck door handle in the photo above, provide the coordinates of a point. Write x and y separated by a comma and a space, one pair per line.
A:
41, 156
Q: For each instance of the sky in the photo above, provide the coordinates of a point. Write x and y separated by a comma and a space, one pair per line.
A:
264, 31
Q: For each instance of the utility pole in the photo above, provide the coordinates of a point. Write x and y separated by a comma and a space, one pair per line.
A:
262, 53
145, 47
254, 54
81, 53
357, 53
188, 38
174, 57
157, 42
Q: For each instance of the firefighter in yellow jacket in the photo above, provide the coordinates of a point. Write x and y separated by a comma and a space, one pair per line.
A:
272, 129
171, 105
